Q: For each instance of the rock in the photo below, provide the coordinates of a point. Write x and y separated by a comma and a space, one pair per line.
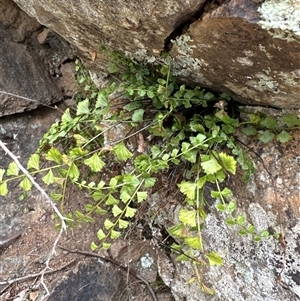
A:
238, 49
93, 281
28, 70
246, 48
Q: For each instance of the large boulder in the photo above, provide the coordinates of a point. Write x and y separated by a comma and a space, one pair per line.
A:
29, 67
246, 48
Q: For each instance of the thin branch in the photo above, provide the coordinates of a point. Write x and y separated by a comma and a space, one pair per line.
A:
30, 276
35, 184
45, 195
28, 99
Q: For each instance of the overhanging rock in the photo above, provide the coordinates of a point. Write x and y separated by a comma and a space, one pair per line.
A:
249, 49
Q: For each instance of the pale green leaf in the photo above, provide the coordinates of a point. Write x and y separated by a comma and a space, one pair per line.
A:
240, 220
198, 140
138, 115
100, 211
2, 172
80, 139
222, 207
106, 246
77, 152
34, 162
113, 182
201, 181
98, 195
214, 258
123, 224
111, 200
194, 242
26, 184
231, 206
93, 246
116, 210
177, 230
125, 196
54, 155
108, 224
3, 189
74, 172
188, 188
94, 162
149, 182
100, 234
130, 212
115, 234
13, 169
226, 192
102, 100
66, 117
83, 107
188, 217
228, 162
56, 196
122, 152
210, 166
48, 178
112, 67
141, 196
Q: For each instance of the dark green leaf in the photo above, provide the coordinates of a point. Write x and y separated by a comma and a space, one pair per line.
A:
283, 137
266, 136
291, 120
269, 122
249, 130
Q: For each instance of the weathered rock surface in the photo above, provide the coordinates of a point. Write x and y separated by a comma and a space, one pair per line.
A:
27, 68
249, 49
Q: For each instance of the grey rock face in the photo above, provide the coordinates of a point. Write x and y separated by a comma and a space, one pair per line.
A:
27, 68
246, 48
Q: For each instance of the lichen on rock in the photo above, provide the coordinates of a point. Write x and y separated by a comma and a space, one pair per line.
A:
281, 16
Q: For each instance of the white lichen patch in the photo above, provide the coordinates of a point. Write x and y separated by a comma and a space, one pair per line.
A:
185, 64
259, 217
280, 17
264, 82
245, 61
263, 49
289, 78
146, 261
